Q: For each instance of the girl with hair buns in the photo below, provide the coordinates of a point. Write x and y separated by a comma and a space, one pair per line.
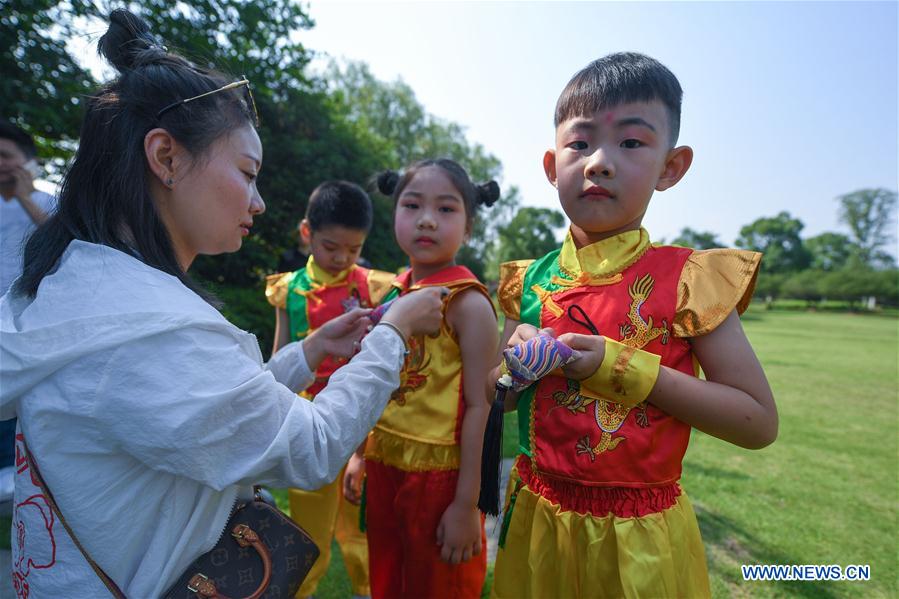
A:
148, 414
425, 533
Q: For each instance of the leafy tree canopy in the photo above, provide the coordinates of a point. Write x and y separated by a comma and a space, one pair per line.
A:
778, 238
698, 240
870, 216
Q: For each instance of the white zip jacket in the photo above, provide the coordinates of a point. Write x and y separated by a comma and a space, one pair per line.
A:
149, 414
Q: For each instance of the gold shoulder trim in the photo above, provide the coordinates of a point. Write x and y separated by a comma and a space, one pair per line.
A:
511, 284
276, 289
379, 283
714, 283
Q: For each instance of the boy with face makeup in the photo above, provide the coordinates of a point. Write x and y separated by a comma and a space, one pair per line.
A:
594, 505
338, 219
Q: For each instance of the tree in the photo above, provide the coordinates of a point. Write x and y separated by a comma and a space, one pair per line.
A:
530, 234
42, 86
830, 251
311, 130
869, 214
400, 131
778, 239
698, 240
803, 285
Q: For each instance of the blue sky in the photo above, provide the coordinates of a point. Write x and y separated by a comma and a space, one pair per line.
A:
786, 105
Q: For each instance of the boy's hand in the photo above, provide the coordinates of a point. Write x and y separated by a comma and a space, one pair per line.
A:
352, 479
459, 533
523, 332
591, 350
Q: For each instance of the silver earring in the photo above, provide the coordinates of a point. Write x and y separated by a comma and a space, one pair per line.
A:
169, 182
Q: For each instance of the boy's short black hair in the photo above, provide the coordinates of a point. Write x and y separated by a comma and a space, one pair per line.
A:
339, 203
618, 79
18, 136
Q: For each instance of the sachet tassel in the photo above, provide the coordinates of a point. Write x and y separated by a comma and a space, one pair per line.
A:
491, 454
522, 366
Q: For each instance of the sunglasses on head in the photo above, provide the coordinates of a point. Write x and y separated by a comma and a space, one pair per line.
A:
243, 82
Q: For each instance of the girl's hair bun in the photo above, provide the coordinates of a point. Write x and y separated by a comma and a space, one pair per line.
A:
128, 42
387, 182
488, 193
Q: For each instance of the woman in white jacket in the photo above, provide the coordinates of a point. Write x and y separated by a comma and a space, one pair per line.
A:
148, 413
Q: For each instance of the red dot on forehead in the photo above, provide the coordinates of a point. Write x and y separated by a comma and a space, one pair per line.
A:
609, 117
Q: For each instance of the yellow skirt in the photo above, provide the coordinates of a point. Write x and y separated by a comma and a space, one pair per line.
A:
549, 552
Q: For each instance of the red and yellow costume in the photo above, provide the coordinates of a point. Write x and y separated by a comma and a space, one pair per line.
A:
594, 507
312, 296
412, 464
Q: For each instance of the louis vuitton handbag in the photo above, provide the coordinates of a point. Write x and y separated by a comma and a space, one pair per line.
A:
262, 554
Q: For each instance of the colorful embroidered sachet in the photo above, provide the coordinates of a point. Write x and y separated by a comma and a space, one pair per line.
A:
532, 360
378, 313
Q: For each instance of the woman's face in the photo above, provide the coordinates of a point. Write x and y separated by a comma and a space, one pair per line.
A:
212, 203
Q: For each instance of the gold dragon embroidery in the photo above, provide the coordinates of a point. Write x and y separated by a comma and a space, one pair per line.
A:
413, 375
638, 332
610, 416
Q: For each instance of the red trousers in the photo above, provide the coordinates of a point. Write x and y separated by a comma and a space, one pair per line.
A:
403, 510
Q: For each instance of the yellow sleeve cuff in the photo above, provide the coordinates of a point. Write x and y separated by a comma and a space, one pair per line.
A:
276, 289
626, 375
511, 285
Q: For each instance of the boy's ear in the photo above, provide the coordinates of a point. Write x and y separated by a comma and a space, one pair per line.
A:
305, 232
676, 166
549, 166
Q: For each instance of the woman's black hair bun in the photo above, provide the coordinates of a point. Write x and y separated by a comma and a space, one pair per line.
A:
488, 193
387, 182
128, 42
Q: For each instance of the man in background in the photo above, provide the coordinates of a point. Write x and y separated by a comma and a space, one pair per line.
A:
23, 207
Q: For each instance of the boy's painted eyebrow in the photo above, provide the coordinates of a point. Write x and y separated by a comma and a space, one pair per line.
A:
589, 125
635, 120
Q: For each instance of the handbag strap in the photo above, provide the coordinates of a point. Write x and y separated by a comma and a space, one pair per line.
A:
110, 585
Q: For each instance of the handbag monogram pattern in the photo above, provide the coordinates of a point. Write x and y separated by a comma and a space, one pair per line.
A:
262, 553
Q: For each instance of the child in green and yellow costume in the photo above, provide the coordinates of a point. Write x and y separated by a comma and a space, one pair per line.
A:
594, 506
338, 219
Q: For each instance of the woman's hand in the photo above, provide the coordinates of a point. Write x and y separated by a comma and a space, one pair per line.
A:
338, 337
419, 312
591, 349
459, 533
352, 479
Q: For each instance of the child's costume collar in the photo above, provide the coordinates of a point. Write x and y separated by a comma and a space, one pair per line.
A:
447, 277
603, 258
319, 275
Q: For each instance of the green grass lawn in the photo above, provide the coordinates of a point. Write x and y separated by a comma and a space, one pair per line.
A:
826, 491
